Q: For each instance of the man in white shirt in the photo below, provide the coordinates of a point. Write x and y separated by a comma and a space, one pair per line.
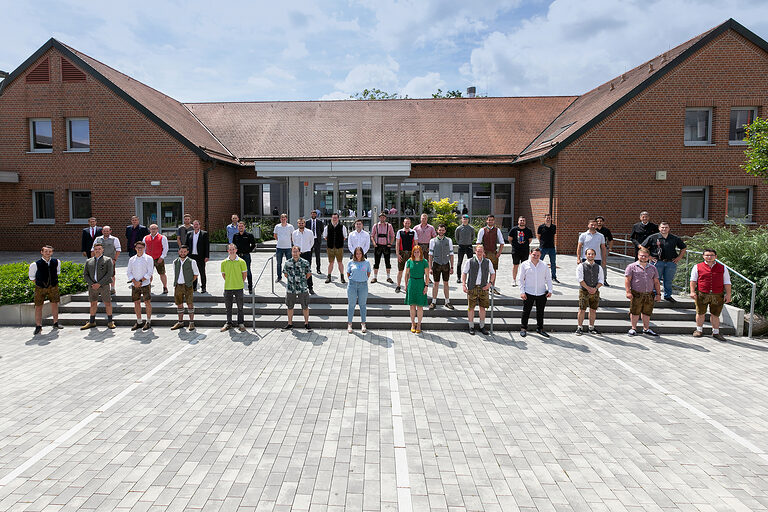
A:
112, 248
141, 266
591, 239
481, 269
535, 287
45, 274
282, 233
305, 240
359, 238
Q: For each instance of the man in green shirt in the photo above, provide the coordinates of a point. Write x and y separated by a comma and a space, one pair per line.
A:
234, 271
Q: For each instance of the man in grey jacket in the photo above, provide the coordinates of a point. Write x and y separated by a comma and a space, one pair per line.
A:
98, 273
465, 237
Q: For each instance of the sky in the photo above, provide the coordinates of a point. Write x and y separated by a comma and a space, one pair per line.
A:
241, 50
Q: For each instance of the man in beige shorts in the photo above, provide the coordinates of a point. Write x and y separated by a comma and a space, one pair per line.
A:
477, 277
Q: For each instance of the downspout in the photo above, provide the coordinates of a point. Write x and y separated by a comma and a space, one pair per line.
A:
205, 192
551, 186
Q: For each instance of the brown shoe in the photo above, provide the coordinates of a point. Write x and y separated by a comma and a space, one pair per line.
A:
432, 306
374, 280
111, 325
191, 326
328, 279
697, 334
719, 337
177, 326
88, 325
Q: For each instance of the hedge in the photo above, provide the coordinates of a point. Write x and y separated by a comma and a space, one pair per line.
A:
16, 288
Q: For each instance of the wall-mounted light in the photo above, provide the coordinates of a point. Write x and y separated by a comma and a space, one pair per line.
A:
154, 183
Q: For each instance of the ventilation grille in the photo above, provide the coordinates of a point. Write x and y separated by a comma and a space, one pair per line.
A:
41, 74
69, 73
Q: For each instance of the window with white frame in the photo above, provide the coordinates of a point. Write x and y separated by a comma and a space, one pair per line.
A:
740, 118
739, 205
78, 134
43, 209
698, 126
695, 205
79, 205
40, 136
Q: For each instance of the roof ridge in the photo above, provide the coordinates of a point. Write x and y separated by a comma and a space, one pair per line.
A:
352, 100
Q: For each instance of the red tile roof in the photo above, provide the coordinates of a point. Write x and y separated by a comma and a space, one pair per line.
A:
355, 129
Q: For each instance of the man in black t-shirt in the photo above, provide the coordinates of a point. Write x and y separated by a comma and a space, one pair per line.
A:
603, 230
546, 236
520, 239
665, 256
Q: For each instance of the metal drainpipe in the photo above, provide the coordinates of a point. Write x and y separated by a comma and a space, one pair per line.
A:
551, 187
205, 192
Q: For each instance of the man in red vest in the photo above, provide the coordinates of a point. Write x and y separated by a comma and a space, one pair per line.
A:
157, 247
710, 286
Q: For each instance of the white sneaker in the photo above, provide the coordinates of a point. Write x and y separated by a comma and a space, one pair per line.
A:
363, 329
349, 328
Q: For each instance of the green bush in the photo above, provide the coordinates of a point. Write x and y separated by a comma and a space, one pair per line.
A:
16, 288
219, 236
444, 212
740, 247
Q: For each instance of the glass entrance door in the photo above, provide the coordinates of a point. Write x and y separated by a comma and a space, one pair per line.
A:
166, 212
351, 199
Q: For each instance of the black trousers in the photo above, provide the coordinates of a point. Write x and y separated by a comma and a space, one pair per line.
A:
464, 250
201, 267
316, 250
378, 252
308, 256
541, 302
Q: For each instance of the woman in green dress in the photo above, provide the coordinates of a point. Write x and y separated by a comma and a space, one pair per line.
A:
416, 285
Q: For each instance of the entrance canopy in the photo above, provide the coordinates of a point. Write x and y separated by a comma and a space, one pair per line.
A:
332, 168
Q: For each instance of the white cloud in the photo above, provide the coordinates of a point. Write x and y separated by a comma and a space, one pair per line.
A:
279, 73
295, 50
260, 82
366, 76
423, 86
577, 46
335, 95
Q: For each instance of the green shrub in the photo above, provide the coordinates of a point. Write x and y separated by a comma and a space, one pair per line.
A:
16, 288
444, 212
219, 236
740, 247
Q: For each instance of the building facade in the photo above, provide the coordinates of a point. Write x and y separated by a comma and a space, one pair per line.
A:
78, 138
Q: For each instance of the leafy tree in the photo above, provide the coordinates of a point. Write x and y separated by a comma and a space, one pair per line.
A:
374, 94
447, 94
757, 149
444, 212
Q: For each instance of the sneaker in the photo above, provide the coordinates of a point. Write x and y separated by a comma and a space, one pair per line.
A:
191, 326
390, 281
374, 280
328, 279
649, 332
307, 327
111, 324
137, 326
342, 279
177, 326
449, 305
349, 328
472, 330
670, 299
514, 283
88, 325
241, 327
593, 330
278, 279
606, 284
523, 333
147, 326
397, 289
718, 337
250, 290
555, 280
362, 328
165, 291
432, 306
318, 272
38, 329
225, 328
56, 325
632, 332
579, 331
287, 327
485, 331
697, 333
458, 280
203, 290
496, 291
542, 332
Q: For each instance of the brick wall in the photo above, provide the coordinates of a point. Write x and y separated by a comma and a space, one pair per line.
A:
127, 152
611, 170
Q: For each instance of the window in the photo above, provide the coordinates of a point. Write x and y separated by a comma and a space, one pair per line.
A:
740, 117
78, 134
695, 207
40, 136
739, 205
79, 205
698, 126
43, 207
431, 191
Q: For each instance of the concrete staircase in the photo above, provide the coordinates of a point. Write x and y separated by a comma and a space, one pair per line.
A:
388, 312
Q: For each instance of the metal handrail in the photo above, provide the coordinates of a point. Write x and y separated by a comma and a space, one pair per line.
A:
490, 290
687, 266
271, 260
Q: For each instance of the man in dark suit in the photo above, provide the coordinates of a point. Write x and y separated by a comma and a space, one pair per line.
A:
642, 230
89, 236
98, 272
316, 226
135, 233
199, 250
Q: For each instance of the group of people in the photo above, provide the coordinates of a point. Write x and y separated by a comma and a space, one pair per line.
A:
425, 256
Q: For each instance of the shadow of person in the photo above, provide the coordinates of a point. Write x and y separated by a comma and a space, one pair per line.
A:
436, 338
496, 337
681, 344
191, 337
750, 346
42, 340
309, 336
100, 336
374, 339
145, 337
565, 344
246, 338
622, 343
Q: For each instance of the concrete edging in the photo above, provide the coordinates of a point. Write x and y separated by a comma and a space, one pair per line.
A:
734, 317
24, 314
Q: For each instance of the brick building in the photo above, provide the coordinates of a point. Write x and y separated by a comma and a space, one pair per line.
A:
78, 138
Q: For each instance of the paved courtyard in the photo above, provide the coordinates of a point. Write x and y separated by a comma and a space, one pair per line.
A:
115, 420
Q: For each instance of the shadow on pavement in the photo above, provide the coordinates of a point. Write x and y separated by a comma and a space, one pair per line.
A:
435, 338
42, 340
680, 344
742, 344
374, 339
310, 336
145, 337
622, 343
565, 344
99, 336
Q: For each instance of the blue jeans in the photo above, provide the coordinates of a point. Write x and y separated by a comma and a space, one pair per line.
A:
667, 271
357, 292
552, 253
281, 253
